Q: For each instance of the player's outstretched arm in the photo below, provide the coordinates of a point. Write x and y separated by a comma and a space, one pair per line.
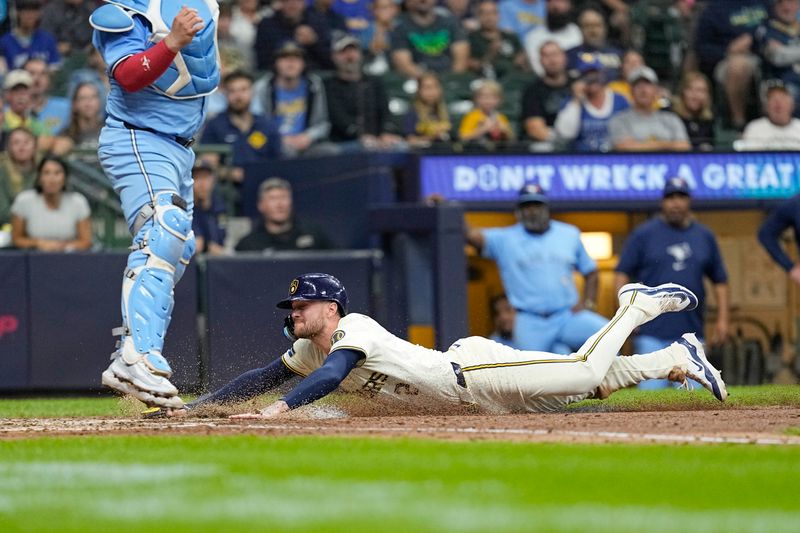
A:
248, 385
318, 384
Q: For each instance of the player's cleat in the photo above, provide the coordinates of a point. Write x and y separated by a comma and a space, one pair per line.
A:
139, 381
699, 369
666, 298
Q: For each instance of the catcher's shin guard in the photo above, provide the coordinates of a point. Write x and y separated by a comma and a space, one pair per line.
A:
162, 247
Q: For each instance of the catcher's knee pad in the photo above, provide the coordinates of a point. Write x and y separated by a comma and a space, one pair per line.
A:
189, 248
159, 249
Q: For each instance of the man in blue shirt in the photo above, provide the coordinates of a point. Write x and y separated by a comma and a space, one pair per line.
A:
786, 215
26, 40
162, 64
253, 137
778, 44
537, 258
674, 247
208, 222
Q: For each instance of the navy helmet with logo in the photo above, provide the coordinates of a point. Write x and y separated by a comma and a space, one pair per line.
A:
316, 286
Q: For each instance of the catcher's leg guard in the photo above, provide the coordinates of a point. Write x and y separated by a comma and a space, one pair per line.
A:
161, 245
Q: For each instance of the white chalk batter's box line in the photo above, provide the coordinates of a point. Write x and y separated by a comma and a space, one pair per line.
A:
618, 435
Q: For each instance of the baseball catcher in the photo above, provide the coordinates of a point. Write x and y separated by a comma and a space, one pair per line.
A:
163, 62
333, 348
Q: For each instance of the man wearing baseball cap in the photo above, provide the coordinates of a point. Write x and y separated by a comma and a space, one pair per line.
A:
17, 91
537, 258
777, 129
584, 120
295, 99
674, 246
641, 128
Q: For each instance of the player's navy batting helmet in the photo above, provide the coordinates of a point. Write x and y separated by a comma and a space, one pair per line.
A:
316, 286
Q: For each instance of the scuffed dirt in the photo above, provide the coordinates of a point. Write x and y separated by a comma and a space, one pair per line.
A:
765, 425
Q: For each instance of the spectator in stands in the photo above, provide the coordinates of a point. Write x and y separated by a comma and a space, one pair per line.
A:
27, 40
584, 119
67, 21
48, 218
595, 42
82, 132
336, 23
295, 100
544, 98
232, 56
618, 14
208, 220
522, 16
503, 316
293, 21
783, 217
494, 52
485, 123
245, 17
253, 137
641, 128
19, 113
778, 45
559, 28
278, 229
674, 248
778, 129
357, 103
463, 11
692, 104
631, 60
95, 71
723, 45
428, 120
426, 40
52, 111
537, 259
376, 39
17, 169
357, 15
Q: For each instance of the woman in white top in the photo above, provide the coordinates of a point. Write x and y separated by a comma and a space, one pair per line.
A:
49, 218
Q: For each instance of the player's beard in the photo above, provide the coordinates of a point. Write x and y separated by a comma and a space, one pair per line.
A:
308, 329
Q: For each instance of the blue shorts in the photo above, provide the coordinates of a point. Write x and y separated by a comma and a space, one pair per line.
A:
140, 164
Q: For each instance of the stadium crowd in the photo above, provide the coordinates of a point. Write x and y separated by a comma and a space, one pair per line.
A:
312, 77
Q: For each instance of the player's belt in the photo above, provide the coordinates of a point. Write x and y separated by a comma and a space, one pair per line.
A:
546, 314
459, 375
183, 141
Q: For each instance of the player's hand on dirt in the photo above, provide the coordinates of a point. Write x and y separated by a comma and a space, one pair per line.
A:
176, 413
270, 411
184, 27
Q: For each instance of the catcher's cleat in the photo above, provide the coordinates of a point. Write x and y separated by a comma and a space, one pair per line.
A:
699, 369
138, 381
666, 298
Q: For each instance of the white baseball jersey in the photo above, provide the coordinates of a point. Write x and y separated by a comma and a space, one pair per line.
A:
391, 365
498, 378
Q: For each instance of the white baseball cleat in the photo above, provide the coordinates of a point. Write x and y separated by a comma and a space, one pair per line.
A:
699, 369
139, 380
666, 298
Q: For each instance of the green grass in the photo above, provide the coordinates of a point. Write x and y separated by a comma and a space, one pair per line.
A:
250, 483
315, 484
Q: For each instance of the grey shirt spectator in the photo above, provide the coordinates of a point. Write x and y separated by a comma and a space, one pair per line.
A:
42, 222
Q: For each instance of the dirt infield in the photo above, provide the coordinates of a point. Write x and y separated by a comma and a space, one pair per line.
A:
765, 426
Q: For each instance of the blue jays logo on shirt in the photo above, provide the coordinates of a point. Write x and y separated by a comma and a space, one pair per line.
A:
337, 336
680, 252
